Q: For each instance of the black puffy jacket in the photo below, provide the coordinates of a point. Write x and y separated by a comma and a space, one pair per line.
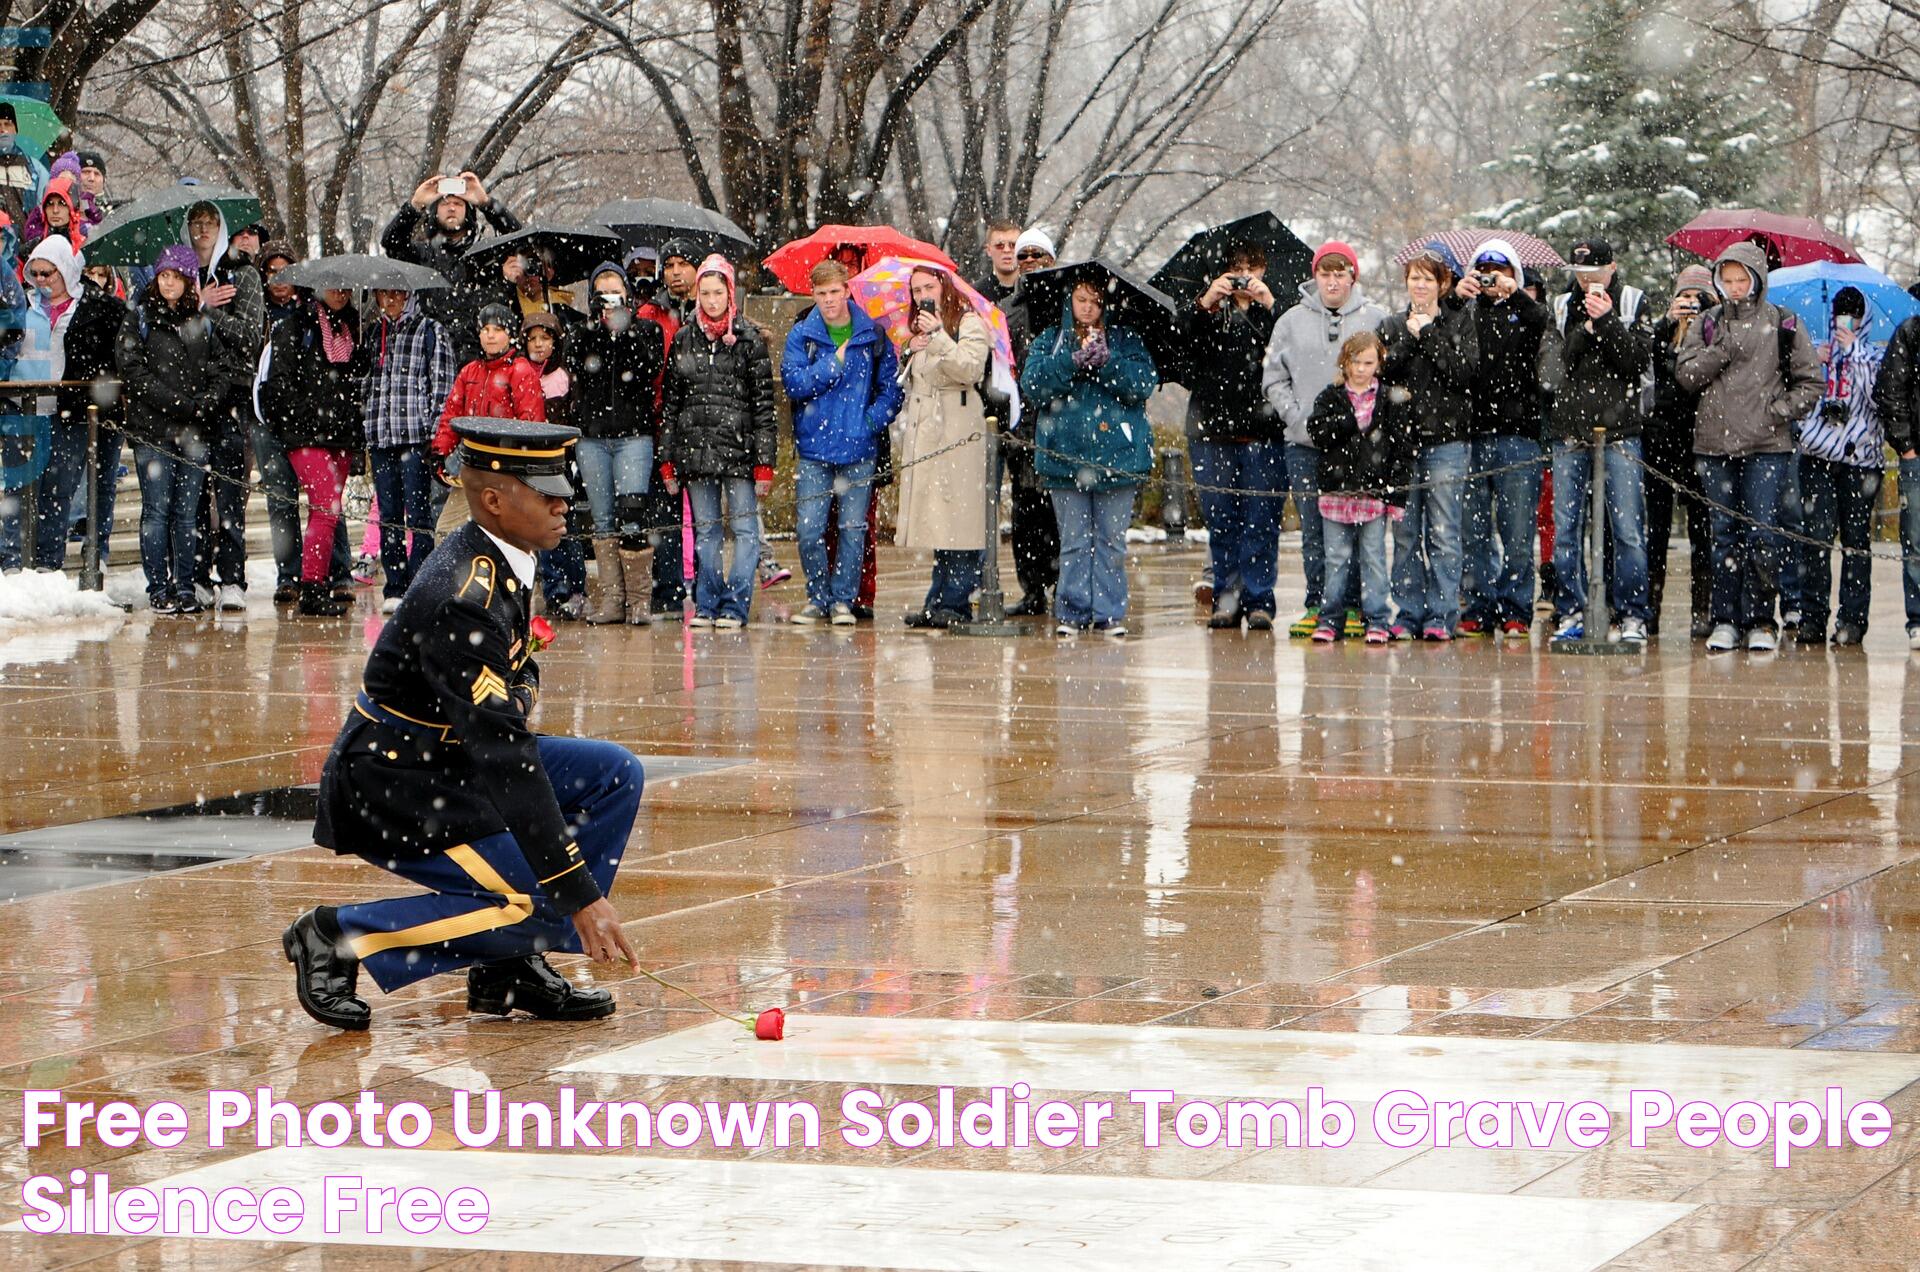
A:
307, 400
1227, 350
178, 372
1433, 373
613, 377
1506, 392
719, 419
92, 351
1377, 462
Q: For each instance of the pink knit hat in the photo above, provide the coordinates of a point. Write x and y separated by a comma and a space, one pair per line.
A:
1334, 247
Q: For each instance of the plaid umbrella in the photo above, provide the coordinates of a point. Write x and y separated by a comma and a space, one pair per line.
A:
1464, 243
791, 263
884, 291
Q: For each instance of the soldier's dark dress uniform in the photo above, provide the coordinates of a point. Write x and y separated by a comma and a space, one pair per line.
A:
437, 777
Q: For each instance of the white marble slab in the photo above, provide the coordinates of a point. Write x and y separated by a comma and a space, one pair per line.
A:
688, 1208
1358, 1068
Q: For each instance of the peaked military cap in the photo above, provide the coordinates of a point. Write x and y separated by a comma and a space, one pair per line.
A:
538, 454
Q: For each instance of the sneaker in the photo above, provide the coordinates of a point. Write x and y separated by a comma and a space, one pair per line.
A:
1064, 629
1847, 634
1809, 634
572, 609
1378, 636
1722, 638
1633, 631
1789, 621
728, 623
1259, 621
1913, 638
1223, 620
1436, 633
1514, 627
772, 573
231, 599
1355, 625
1032, 605
1474, 627
390, 606
365, 570
286, 593
842, 615
189, 604
862, 613
1304, 625
807, 615
1203, 591
700, 620
1572, 627
1325, 634
164, 606
1111, 627
203, 596
1701, 628
1400, 631
1761, 640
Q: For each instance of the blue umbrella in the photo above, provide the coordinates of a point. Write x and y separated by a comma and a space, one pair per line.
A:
1809, 290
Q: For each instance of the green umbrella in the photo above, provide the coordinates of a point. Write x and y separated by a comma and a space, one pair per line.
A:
39, 126
139, 231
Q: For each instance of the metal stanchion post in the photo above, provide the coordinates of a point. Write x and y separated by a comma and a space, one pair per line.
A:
1597, 619
991, 616
90, 572
1173, 502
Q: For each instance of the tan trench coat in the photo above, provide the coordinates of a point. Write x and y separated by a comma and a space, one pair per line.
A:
943, 502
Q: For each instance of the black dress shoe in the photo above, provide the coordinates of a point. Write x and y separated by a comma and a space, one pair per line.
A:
324, 976
861, 613
527, 983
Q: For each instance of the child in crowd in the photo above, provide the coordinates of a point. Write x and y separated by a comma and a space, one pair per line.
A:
1366, 450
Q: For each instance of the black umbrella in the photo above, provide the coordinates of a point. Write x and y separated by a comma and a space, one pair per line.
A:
575, 249
353, 269
651, 222
1203, 258
1141, 307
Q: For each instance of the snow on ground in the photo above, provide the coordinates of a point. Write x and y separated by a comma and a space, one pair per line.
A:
30, 597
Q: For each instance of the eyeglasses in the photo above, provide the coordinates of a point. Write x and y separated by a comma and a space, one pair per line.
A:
1031, 255
41, 273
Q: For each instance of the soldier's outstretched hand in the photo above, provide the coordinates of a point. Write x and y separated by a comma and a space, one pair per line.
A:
601, 937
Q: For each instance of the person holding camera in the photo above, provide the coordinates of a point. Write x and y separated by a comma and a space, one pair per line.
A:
1667, 445
1501, 507
1236, 438
1755, 371
1841, 458
435, 228
943, 501
1433, 355
1595, 358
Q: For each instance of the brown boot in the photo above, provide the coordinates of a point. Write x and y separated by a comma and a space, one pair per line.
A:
604, 586
639, 585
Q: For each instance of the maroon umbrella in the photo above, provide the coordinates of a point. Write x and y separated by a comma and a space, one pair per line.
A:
1464, 243
1787, 240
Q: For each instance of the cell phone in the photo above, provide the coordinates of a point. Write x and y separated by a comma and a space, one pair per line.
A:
451, 185
928, 307
1845, 322
1594, 289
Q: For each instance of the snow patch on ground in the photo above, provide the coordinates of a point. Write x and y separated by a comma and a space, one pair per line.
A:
31, 597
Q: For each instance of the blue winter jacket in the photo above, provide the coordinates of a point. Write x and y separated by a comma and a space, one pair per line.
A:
839, 408
1093, 423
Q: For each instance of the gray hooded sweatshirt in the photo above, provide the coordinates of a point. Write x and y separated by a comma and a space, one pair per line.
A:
1745, 409
1304, 350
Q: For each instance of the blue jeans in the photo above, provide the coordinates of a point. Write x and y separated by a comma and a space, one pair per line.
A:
1426, 543
1368, 543
106, 489
65, 468
1093, 554
728, 597
562, 570
169, 516
1502, 520
815, 482
403, 485
611, 467
1626, 518
956, 573
598, 785
1303, 482
1910, 538
1836, 499
1243, 529
1745, 557
1793, 520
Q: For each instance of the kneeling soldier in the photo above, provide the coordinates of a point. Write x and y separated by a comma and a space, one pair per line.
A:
436, 776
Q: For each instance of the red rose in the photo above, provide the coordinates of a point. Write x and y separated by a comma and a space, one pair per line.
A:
770, 1025
539, 635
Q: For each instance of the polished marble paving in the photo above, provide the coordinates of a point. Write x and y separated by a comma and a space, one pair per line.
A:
967, 861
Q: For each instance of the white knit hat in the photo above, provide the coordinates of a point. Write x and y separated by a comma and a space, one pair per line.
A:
1035, 237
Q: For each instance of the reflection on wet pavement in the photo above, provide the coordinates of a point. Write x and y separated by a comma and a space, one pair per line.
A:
1427, 858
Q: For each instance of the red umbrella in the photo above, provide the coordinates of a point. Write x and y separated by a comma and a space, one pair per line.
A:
1464, 243
792, 262
1788, 240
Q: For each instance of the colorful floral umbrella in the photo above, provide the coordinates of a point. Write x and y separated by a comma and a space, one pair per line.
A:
791, 263
884, 291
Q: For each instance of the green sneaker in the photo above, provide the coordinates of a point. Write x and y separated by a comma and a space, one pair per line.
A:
1355, 627
1303, 626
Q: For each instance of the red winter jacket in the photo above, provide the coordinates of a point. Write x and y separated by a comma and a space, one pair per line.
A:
506, 388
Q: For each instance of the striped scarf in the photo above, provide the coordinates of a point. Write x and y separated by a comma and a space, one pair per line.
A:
336, 338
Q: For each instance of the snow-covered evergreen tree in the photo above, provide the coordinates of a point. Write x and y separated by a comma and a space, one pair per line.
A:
1635, 134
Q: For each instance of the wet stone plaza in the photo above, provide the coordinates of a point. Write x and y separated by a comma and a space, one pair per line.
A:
1195, 950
